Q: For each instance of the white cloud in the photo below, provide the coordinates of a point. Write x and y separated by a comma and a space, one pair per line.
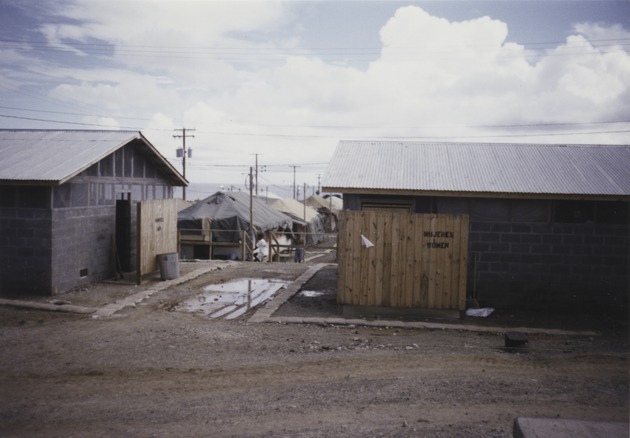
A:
220, 67
114, 91
156, 22
602, 35
55, 35
434, 78
463, 73
173, 34
577, 81
107, 122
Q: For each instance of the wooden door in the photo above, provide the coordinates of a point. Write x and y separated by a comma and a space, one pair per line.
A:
395, 259
156, 233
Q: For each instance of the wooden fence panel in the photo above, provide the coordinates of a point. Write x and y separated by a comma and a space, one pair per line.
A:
425, 263
366, 265
409, 260
394, 284
344, 251
379, 257
156, 233
416, 260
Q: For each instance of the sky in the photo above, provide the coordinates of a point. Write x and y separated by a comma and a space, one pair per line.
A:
280, 83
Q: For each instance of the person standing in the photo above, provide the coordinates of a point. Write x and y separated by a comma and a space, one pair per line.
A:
298, 255
262, 250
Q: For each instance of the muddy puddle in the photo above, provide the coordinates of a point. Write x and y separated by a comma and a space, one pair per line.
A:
231, 299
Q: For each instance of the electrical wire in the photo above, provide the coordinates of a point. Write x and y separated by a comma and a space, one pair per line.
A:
362, 127
604, 42
313, 136
72, 114
251, 53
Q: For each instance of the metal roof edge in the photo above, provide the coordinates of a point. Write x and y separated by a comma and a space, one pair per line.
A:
452, 194
468, 143
29, 182
179, 176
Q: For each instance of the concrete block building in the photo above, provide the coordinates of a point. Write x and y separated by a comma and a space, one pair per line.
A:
66, 205
549, 223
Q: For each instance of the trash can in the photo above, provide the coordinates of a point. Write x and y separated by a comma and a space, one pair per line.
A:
169, 265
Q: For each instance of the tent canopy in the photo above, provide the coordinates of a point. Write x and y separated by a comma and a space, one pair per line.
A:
332, 203
315, 221
228, 215
295, 209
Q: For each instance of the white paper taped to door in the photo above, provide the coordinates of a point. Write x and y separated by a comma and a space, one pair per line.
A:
366, 242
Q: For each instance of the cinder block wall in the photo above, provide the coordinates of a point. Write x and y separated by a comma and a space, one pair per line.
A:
82, 246
549, 266
540, 264
45, 252
25, 251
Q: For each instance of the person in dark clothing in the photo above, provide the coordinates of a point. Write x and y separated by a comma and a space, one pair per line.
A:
298, 255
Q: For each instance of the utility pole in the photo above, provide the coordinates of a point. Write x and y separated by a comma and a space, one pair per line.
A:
262, 169
294, 187
256, 174
251, 203
304, 202
184, 153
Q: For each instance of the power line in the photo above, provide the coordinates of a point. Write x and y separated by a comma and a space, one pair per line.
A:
71, 114
331, 136
276, 168
253, 52
179, 48
316, 126
279, 187
35, 119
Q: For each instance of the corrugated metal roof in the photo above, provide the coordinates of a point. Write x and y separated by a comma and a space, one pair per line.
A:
480, 167
54, 156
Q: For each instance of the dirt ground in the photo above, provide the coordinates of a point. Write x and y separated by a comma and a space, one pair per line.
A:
150, 370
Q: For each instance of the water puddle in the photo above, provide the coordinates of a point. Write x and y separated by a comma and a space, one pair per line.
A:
231, 299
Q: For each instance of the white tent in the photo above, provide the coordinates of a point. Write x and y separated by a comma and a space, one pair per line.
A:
331, 203
328, 207
295, 209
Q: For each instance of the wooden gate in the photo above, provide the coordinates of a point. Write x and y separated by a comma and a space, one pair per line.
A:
416, 260
156, 233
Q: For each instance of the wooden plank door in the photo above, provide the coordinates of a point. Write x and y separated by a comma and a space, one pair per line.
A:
156, 233
411, 260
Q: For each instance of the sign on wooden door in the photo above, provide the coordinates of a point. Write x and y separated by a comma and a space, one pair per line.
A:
156, 233
394, 259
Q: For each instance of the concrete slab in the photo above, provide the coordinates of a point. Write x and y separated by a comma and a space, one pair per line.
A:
528, 427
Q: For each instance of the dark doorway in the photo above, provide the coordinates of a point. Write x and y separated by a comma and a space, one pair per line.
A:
123, 235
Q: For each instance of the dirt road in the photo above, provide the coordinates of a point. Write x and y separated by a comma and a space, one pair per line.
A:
152, 371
